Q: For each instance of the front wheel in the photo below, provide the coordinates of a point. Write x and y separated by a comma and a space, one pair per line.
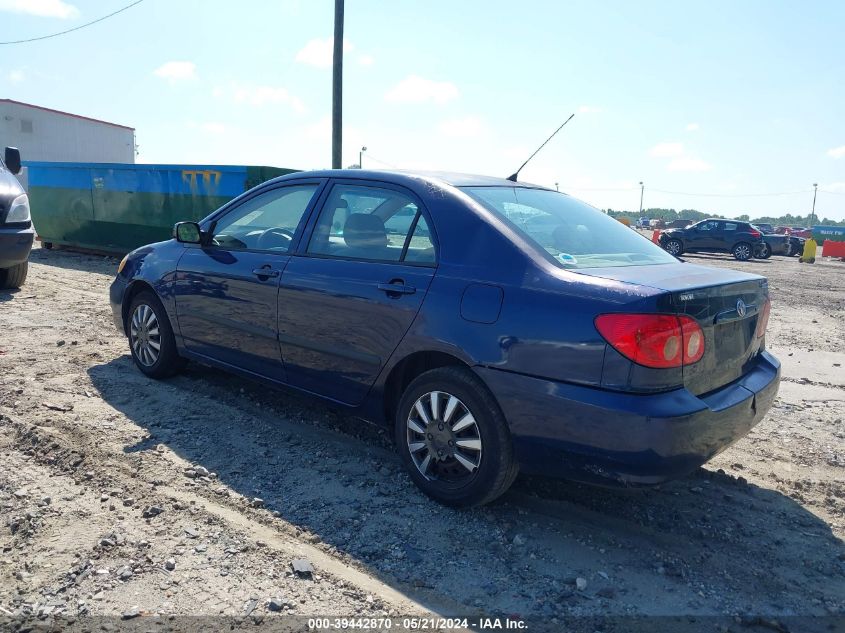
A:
151, 338
742, 251
453, 438
674, 247
14, 276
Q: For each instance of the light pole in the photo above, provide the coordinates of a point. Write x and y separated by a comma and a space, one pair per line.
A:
361, 157
337, 86
556, 186
813, 213
642, 189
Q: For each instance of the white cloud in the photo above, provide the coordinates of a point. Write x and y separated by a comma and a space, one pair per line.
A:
467, 127
681, 160
415, 89
258, 95
16, 76
688, 163
365, 60
41, 8
177, 71
261, 95
836, 152
320, 53
692, 127
667, 150
836, 187
588, 109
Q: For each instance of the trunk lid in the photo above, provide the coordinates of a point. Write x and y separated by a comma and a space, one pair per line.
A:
725, 303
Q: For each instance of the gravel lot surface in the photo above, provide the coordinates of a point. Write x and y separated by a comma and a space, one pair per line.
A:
120, 495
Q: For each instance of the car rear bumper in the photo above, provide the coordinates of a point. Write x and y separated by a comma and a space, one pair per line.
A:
15, 245
116, 292
598, 436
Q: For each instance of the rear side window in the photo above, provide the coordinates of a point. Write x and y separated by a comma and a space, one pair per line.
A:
568, 232
730, 226
370, 223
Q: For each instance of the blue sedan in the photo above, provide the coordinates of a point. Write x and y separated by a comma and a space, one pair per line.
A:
496, 326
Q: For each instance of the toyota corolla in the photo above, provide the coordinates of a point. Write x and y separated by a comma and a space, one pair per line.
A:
496, 326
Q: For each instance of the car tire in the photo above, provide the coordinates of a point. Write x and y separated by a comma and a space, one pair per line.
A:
765, 251
14, 276
674, 247
458, 450
148, 325
742, 251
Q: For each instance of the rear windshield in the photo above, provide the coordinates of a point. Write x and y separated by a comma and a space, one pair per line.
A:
571, 234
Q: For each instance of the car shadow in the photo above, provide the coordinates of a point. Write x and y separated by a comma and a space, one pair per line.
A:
724, 257
710, 543
84, 261
9, 295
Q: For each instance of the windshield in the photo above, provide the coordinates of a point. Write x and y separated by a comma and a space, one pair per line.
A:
569, 232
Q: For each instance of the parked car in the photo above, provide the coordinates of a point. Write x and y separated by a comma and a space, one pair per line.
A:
798, 231
766, 229
644, 223
657, 223
740, 239
678, 224
509, 328
16, 232
774, 244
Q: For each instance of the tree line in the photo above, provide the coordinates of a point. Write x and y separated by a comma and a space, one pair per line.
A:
693, 215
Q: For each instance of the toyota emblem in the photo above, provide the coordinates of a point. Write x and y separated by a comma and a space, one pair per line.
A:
740, 308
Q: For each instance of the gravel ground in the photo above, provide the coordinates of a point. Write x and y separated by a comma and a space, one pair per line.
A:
120, 495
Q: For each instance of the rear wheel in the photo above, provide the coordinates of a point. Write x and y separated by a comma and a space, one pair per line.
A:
453, 438
151, 338
674, 247
764, 251
14, 276
742, 251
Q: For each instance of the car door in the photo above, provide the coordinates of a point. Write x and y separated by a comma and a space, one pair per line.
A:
351, 293
700, 237
226, 290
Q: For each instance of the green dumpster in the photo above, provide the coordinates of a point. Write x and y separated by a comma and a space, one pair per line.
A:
116, 207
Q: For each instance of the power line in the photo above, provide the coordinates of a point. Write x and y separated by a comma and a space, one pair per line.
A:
706, 195
76, 28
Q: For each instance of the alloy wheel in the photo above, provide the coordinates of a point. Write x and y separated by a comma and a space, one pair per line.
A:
742, 252
673, 247
443, 438
145, 335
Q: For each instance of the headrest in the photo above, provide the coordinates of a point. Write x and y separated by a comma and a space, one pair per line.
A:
364, 230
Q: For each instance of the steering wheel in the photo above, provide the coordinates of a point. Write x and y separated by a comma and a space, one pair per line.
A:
274, 231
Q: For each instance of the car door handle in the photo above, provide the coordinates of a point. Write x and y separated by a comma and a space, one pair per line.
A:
397, 287
265, 272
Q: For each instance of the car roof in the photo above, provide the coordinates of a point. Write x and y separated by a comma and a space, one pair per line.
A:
402, 176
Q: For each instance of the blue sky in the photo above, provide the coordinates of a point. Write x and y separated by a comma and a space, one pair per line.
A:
725, 99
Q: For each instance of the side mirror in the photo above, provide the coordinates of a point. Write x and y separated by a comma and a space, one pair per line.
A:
187, 232
12, 159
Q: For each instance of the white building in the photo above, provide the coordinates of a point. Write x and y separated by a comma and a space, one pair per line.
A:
42, 134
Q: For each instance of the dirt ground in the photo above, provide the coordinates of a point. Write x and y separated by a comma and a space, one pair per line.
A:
121, 496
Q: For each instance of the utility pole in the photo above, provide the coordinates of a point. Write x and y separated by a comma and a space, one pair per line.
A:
337, 86
556, 186
813, 213
361, 157
642, 189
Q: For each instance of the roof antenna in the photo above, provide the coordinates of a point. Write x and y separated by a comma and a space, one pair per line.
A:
513, 176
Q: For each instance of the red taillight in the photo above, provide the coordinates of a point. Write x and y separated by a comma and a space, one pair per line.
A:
763, 318
756, 234
653, 340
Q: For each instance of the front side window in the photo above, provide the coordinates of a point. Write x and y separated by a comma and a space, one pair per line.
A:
266, 222
370, 223
567, 231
